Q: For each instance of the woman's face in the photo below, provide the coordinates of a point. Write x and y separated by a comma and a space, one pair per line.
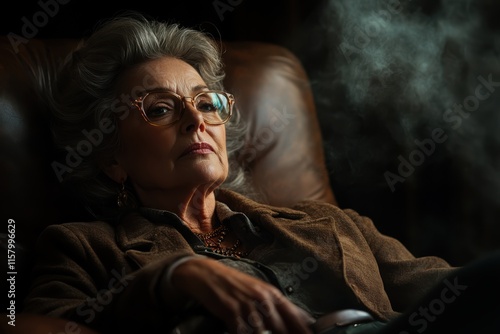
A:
164, 160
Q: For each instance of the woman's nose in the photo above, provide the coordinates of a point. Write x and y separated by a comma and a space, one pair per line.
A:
192, 119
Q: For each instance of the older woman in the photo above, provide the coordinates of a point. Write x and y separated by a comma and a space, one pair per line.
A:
175, 246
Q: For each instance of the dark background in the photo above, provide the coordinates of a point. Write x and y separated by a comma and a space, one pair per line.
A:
373, 103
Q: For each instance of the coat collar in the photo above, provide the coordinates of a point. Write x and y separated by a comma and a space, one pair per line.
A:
238, 202
148, 238
290, 226
134, 231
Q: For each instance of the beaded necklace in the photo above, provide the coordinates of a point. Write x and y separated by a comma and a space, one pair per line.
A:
214, 239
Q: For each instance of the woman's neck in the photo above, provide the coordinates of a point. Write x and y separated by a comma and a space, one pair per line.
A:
196, 207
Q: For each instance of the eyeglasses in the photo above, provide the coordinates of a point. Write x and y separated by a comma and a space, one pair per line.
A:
162, 108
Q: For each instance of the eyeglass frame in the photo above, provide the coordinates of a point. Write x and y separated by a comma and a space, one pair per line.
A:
139, 103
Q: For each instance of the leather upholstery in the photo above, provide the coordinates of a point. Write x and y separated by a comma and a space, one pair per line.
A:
284, 146
284, 152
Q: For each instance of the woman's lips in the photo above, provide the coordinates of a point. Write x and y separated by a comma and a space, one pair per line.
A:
198, 148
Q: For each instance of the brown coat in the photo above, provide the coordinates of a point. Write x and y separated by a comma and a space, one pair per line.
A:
82, 267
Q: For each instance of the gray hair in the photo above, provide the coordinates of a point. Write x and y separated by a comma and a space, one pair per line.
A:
86, 105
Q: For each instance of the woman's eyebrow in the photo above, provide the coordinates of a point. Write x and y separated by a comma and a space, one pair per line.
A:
198, 88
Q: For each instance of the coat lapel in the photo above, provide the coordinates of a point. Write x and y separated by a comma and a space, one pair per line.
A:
304, 235
144, 242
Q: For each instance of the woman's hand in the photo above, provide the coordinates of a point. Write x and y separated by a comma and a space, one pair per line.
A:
245, 304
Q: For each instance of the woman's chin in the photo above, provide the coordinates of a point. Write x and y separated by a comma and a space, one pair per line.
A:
209, 175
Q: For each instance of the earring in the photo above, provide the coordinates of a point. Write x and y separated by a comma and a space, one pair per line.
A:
122, 197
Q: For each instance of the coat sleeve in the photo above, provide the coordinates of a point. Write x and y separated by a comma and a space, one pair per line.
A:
91, 282
406, 278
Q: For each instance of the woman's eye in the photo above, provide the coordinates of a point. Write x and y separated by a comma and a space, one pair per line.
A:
159, 111
206, 106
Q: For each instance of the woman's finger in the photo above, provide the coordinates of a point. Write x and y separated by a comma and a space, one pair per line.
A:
295, 319
277, 314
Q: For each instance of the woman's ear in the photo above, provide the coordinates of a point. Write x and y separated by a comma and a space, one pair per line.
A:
114, 170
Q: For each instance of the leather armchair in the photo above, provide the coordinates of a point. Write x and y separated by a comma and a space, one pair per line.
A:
284, 152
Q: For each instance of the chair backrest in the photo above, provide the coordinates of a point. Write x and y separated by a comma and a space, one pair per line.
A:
284, 152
